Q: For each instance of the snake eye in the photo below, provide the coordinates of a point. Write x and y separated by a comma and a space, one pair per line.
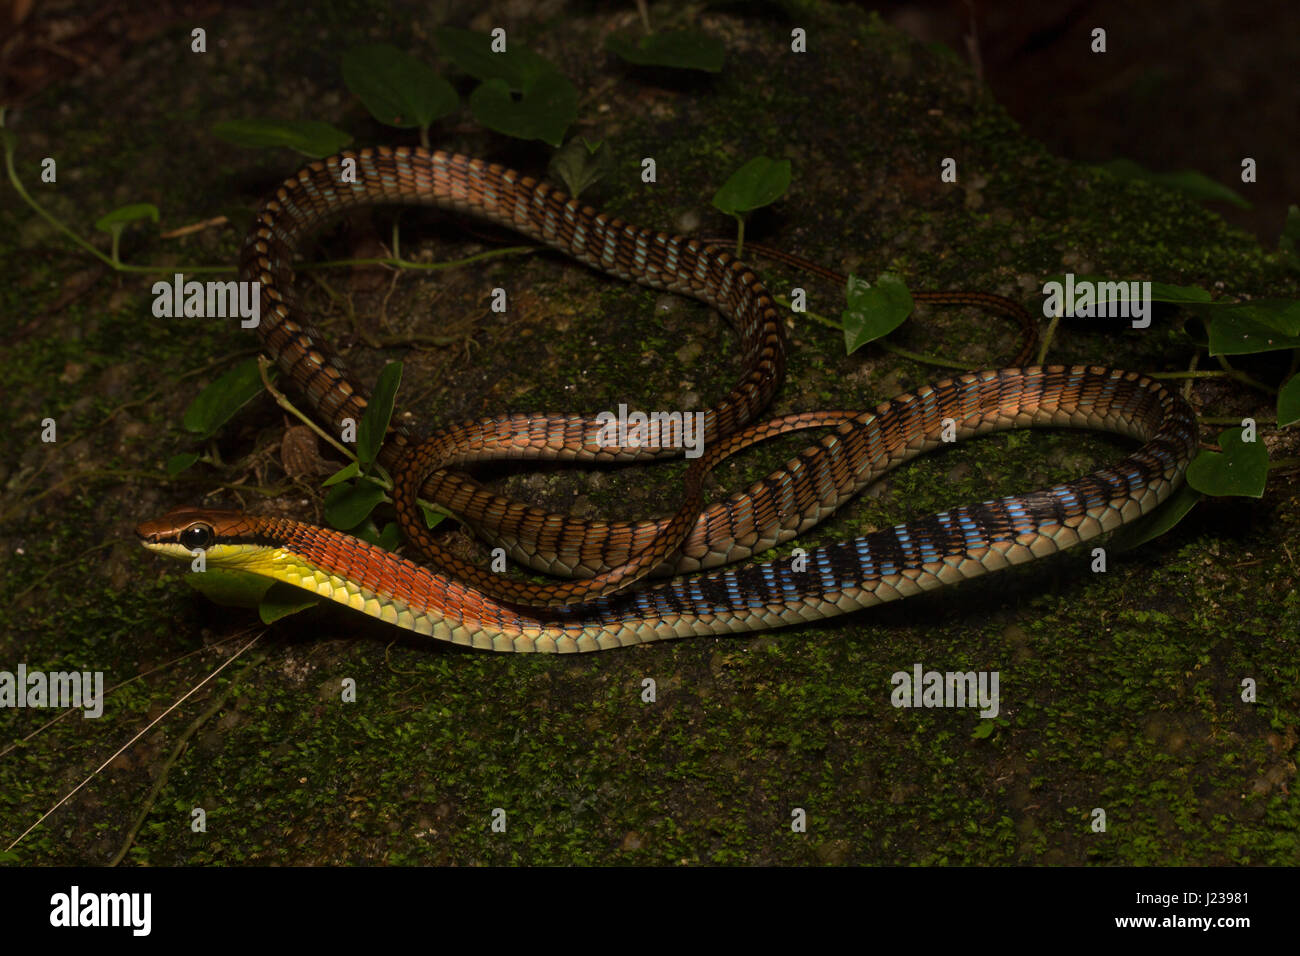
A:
197, 537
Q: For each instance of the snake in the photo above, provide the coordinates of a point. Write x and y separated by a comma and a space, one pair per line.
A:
699, 544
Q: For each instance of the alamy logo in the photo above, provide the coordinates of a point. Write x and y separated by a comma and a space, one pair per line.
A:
1089, 299
103, 909
951, 689
81, 689
213, 300
655, 430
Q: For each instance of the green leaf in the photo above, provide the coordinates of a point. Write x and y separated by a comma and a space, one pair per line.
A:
678, 49
983, 729
1164, 292
217, 404
373, 427
759, 182
579, 165
309, 137
350, 470
1241, 469
517, 66
230, 587
347, 505
1280, 315
283, 599
1288, 402
873, 311
395, 87
1160, 291
1289, 241
1188, 181
388, 539
115, 220
1238, 329
178, 463
545, 111
1152, 526
431, 518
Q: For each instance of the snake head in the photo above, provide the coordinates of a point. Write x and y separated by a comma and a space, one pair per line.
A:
183, 531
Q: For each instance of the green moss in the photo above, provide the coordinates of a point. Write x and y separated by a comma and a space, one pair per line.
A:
1120, 690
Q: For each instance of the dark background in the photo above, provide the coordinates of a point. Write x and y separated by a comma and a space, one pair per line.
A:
1218, 84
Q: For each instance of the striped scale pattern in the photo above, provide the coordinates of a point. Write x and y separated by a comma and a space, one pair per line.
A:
551, 543
892, 563
413, 176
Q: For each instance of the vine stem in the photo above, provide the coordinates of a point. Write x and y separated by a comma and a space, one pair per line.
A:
887, 346
263, 366
144, 730
160, 780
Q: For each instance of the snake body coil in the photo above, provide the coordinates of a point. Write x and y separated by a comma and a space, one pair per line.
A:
892, 563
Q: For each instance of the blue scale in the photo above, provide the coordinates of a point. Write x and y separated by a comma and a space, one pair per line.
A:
822, 557
696, 595
901, 535
769, 577
783, 576
865, 560
1067, 495
1017, 512
701, 268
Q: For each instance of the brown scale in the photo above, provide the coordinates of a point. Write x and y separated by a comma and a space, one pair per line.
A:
586, 548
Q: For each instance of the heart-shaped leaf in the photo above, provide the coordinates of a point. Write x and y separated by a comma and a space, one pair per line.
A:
1109, 290
110, 222
873, 311
1152, 526
758, 183
517, 66
544, 112
1240, 469
283, 599
396, 88
1239, 331
217, 404
347, 505
230, 587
